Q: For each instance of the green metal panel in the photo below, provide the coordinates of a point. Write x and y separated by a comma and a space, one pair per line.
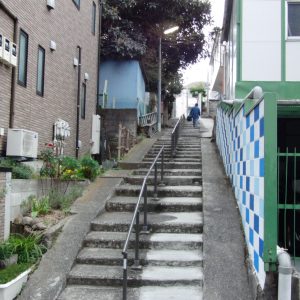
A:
285, 90
283, 46
270, 238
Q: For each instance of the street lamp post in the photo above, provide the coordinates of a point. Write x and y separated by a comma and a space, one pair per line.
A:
168, 31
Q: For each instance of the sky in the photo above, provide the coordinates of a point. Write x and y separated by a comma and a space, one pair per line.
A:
198, 72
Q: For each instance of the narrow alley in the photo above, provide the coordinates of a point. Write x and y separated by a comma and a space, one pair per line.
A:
178, 260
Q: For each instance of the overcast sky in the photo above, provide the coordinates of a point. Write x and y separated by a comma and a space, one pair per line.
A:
198, 72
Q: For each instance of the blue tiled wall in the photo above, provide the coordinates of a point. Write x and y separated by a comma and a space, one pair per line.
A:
240, 139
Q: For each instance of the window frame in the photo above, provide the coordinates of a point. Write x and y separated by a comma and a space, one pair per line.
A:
290, 37
83, 101
38, 92
77, 3
24, 34
94, 17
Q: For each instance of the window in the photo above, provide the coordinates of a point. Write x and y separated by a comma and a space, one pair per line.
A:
83, 101
94, 18
40, 71
23, 57
77, 3
293, 19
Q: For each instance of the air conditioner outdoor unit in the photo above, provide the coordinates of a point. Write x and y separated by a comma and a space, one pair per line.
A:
22, 143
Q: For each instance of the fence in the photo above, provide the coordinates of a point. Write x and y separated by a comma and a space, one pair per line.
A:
288, 189
126, 140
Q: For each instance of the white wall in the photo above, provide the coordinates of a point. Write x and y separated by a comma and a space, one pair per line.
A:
261, 40
292, 61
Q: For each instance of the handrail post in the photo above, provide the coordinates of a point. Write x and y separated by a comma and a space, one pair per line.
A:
155, 196
162, 169
136, 264
124, 275
145, 226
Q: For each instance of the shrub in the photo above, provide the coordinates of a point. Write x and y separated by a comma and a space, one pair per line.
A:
89, 168
40, 206
19, 171
35, 206
6, 250
62, 201
29, 249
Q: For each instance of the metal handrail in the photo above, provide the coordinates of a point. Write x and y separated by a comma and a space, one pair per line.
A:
175, 136
148, 119
136, 218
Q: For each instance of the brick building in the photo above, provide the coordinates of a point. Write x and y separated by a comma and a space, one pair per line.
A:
44, 85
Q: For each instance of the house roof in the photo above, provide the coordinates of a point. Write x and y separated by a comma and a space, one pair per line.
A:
226, 19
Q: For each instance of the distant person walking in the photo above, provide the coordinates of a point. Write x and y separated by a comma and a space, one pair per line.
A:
195, 114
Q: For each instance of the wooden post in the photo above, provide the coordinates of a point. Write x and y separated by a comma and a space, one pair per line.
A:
119, 141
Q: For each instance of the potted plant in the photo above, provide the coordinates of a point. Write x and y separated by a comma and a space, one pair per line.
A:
13, 276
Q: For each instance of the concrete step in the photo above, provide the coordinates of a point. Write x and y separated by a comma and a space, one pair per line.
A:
173, 165
171, 241
169, 222
167, 204
165, 257
196, 154
148, 276
162, 191
178, 292
171, 172
168, 180
175, 159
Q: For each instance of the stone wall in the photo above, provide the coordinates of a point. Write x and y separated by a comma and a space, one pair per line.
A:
111, 118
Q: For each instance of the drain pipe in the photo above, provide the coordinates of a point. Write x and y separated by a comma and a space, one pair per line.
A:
284, 274
78, 100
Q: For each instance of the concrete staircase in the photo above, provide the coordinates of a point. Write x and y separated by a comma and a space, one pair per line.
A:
171, 254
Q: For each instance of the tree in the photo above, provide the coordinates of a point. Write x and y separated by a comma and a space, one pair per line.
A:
132, 28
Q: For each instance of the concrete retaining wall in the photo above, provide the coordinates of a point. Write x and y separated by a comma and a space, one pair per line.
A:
5, 187
21, 189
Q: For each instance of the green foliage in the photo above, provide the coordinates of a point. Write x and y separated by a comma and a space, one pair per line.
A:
89, 168
11, 272
70, 168
40, 206
51, 164
6, 250
64, 201
131, 29
29, 249
19, 171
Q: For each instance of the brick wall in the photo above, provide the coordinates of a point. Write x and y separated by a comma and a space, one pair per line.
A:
69, 28
111, 118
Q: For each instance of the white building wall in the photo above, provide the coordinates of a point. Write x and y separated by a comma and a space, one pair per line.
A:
292, 60
231, 57
261, 40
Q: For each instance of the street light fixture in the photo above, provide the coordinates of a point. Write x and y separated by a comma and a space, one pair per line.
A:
167, 31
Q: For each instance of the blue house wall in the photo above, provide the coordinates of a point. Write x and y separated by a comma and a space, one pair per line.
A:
125, 84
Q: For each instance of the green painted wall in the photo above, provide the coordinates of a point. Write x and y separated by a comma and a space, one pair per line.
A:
283, 90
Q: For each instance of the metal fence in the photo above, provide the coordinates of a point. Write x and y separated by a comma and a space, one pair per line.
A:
288, 191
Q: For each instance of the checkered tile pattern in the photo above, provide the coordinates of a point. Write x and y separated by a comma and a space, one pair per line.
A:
240, 139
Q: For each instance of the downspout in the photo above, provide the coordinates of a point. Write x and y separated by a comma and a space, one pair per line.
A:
78, 100
99, 52
13, 73
13, 83
284, 274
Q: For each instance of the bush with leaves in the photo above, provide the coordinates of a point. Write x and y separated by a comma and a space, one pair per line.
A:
90, 168
29, 249
19, 171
